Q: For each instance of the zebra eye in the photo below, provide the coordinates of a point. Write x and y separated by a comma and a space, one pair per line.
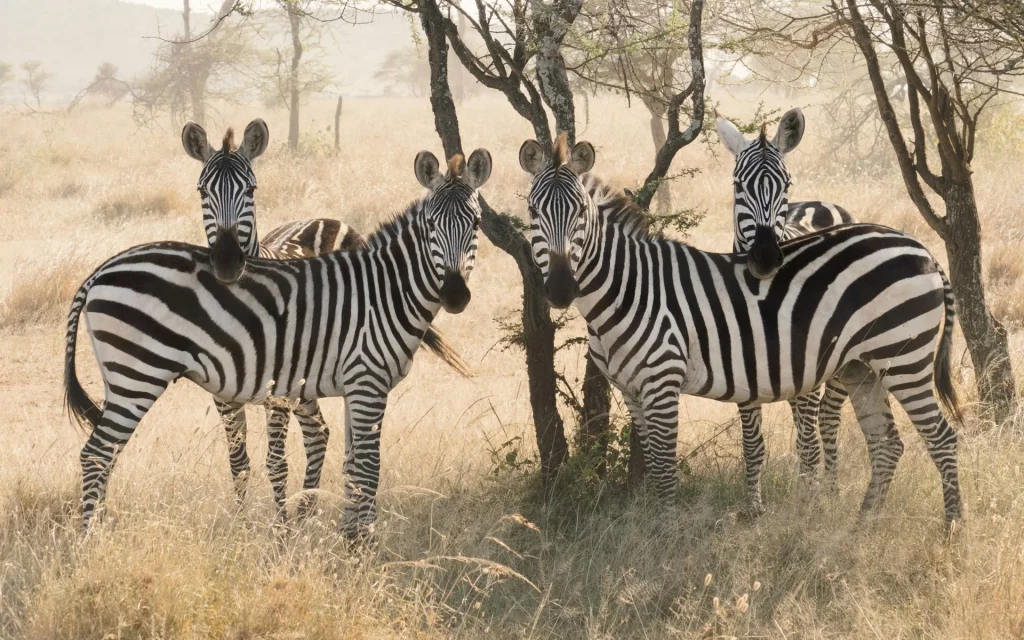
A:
250, 191
476, 223
203, 193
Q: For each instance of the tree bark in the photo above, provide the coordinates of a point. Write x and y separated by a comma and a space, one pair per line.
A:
551, 23
595, 433
985, 335
293, 79
664, 194
196, 84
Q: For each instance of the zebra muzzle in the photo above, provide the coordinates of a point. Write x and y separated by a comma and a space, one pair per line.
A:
455, 294
561, 287
227, 257
765, 256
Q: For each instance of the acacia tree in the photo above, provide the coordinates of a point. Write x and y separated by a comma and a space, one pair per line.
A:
950, 61
37, 78
523, 57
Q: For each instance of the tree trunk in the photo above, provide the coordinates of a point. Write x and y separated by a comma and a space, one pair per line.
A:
196, 84
985, 336
664, 194
538, 329
293, 80
595, 433
636, 469
337, 126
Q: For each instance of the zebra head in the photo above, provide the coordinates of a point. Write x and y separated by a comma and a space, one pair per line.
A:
227, 186
451, 211
761, 184
559, 209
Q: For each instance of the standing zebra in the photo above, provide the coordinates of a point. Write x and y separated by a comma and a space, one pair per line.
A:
761, 208
342, 324
665, 319
227, 188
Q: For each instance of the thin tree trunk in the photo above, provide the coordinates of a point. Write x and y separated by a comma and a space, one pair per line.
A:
595, 433
337, 126
664, 194
196, 84
985, 335
538, 329
293, 80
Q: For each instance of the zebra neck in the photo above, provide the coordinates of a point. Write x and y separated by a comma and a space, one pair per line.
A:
405, 270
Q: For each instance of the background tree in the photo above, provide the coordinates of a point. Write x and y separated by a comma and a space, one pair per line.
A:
105, 85
36, 80
196, 67
404, 71
304, 71
951, 61
6, 74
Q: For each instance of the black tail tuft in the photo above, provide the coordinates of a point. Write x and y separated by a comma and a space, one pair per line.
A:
437, 344
943, 377
80, 407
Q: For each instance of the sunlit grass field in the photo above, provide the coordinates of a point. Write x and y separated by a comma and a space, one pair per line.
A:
467, 546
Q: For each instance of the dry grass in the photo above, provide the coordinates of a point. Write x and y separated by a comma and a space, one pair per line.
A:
464, 551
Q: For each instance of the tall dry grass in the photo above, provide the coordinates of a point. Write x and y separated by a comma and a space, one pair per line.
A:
467, 547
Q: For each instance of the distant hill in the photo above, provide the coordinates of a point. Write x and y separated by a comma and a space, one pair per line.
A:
73, 37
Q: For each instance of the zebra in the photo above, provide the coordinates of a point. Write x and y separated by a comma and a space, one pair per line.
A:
342, 324
761, 183
666, 319
227, 187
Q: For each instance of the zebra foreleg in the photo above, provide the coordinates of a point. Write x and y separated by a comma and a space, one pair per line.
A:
661, 422
277, 463
829, 411
363, 418
315, 434
232, 416
753, 455
805, 418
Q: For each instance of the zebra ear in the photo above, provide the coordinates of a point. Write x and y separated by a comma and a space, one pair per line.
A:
255, 140
427, 170
478, 168
531, 157
731, 137
582, 158
193, 138
791, 130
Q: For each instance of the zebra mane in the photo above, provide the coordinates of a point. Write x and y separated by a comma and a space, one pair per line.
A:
228, 145
617, 208
392, 228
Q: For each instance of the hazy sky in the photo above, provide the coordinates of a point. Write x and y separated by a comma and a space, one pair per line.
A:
196, 5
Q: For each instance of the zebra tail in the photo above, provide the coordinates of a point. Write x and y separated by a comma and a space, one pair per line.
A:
82, 411
440, 347
943, 378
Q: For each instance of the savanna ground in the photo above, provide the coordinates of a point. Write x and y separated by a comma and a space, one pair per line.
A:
466, 546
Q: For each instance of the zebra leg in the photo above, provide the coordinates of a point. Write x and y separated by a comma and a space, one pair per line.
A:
885, 448
636, 414
661, 422
923, 410
829, 410
805, 416
315, 434
753, 455
363, 418
232, 416
277, 464
121, 414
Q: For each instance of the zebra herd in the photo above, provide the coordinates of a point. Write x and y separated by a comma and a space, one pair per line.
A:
808, 298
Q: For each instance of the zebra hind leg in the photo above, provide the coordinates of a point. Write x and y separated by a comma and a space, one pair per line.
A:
753, 455
277, 464
122, 411
315, 435
363, 418
805, 416
923, 409
232, 416
829, 412
885, 447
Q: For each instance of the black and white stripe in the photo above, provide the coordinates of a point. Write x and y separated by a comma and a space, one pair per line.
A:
865, 303
761, 208
227, 187
343, 324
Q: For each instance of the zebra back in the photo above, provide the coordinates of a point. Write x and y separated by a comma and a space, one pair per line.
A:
309, 238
